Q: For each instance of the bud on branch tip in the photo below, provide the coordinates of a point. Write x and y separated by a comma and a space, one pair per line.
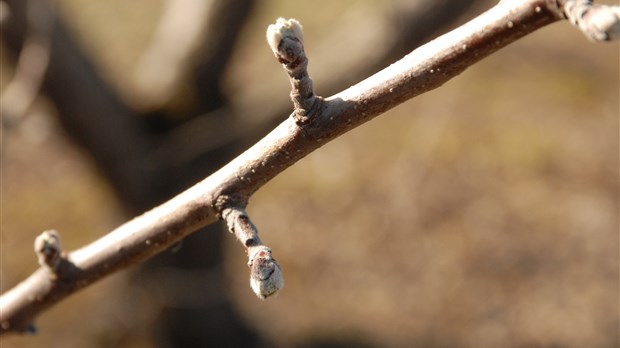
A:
265, 273
49, 253
284, 29
286, 40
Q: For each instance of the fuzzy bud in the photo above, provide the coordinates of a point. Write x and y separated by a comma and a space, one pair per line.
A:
286, 39
265, 274
284, 28
605, 23
47, 248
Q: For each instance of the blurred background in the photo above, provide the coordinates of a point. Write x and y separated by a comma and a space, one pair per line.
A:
481, 214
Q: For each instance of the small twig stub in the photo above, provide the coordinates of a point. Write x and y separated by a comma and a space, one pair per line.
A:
265, 273
286, 40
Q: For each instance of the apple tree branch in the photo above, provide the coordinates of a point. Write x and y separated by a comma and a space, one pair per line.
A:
314, 122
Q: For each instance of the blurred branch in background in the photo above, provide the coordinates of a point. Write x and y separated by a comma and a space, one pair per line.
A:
192, 44
167, 59
88, 108
21, 92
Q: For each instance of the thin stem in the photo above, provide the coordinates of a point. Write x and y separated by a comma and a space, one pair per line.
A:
286, 40
265, 273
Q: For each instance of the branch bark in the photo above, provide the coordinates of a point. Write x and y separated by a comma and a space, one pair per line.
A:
424, 69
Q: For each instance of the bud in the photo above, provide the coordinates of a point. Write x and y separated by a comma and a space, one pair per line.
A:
47, 248
286, 39
265, 274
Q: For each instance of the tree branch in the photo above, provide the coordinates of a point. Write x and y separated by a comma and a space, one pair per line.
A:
424, 69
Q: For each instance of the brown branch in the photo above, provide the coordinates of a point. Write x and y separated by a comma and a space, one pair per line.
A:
422, 70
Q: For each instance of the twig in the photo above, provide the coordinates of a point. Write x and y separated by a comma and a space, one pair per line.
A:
422, 70
265, 273
286, 40
390, 34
